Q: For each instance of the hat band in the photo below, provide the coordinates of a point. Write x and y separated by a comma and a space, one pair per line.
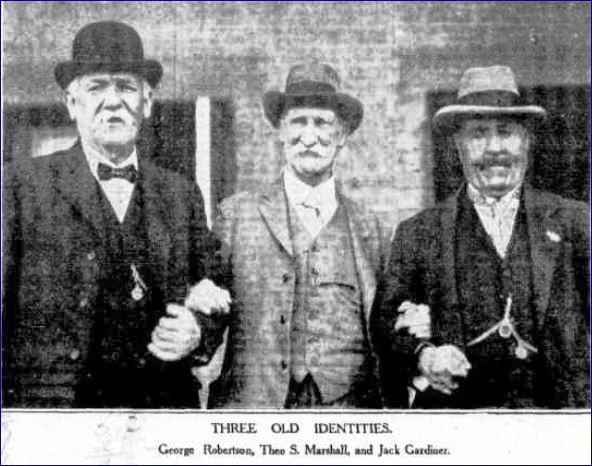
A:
309, 87
490, 99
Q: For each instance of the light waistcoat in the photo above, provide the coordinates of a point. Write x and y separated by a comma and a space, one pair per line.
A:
327, 336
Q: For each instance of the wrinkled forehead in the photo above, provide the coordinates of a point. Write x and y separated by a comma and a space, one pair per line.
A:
309, 112
110, 77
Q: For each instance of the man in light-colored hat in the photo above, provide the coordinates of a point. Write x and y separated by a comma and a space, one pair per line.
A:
99, 249
485, 304
303, 259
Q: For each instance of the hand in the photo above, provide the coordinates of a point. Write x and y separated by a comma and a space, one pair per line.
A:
175, 336
415, 318
207, 298
441, 364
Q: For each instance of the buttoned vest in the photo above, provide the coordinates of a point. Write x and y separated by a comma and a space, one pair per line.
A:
327, 337
497, 378
121, 372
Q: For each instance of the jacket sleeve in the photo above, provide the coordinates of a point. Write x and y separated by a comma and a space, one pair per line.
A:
581, 259
11, 258
219, 270
397, 350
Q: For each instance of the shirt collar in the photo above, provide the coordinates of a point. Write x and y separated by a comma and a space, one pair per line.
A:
298, 192
93, 158
480, 199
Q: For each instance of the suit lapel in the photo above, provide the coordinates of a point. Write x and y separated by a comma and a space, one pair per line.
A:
75, 182
158, 218
366, 246
273, 208
447, 239
448, 325
545, 240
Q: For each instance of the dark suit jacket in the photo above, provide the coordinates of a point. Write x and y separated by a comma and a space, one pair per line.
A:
257, 253
52, 259
422, 269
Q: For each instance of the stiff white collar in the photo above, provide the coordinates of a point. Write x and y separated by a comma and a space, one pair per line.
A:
118, 191
480, 199
93, 158
321, 196
497, 216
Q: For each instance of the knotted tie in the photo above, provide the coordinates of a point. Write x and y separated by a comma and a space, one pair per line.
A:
311, 217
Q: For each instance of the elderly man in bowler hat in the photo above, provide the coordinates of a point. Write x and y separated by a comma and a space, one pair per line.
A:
486, 300
100, 248
302, 260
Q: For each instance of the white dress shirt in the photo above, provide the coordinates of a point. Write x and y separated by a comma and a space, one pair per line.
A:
118, 190
315, 205
497, 215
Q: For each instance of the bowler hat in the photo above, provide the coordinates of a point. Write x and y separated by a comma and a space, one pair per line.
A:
487, 92
107, 46
313, 84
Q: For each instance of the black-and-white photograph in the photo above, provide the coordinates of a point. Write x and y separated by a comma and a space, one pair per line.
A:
375, 209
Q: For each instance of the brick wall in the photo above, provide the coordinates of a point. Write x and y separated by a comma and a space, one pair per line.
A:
389, 55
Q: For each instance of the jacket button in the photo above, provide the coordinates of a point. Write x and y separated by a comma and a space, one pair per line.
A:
285, 278
284, 364
74, 354
91, 256
83, 302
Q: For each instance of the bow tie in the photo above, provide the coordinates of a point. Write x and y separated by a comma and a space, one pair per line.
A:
106, 172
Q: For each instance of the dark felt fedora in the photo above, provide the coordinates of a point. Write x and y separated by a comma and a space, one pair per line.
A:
313, 85
487, 92
107, 46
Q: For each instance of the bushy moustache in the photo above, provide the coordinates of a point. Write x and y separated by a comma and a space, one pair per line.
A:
122, 117
498, 160
309, 153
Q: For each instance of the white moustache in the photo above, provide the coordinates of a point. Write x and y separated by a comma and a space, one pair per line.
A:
123, 117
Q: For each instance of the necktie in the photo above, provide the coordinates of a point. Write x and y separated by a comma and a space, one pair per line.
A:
106, 172
315, 209
311, 217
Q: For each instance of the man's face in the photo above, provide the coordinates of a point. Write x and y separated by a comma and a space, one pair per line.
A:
311, 138
494, 154
108, 109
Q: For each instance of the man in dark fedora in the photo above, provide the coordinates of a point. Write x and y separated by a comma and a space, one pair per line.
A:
486, 299
100, 248
302, 260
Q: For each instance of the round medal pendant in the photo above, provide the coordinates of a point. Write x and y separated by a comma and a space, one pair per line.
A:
505, 330
521, 352
137, 293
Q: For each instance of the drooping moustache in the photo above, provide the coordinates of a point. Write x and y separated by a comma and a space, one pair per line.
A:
118, 117
499, 160
122, 112
319, 140
309, 153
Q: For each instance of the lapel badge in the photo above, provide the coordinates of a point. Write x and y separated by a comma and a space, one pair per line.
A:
553, 236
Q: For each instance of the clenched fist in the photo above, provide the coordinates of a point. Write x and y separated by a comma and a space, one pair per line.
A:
176, 336
209, 299
415, 318
441, 364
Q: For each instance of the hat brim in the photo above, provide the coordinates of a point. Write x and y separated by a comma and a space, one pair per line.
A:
65, 72
350, 109
451, 115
